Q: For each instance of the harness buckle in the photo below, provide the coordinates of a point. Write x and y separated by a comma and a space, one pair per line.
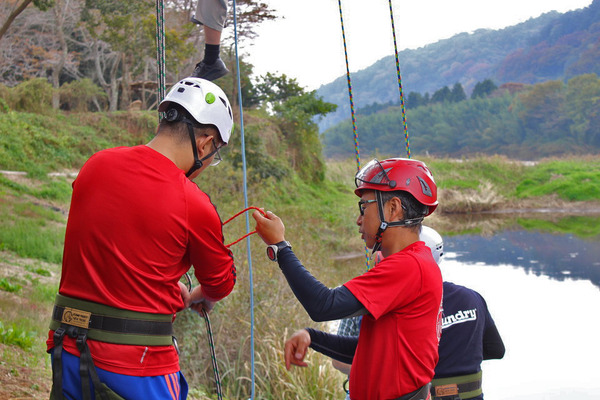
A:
176, 345
59, 333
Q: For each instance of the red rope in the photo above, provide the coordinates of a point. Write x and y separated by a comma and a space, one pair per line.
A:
238, 214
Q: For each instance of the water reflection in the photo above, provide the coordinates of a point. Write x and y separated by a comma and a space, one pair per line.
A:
560, 257
550, 327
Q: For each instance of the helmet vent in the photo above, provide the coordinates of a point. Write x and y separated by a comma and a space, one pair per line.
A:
225, 104
181, 90
425, 187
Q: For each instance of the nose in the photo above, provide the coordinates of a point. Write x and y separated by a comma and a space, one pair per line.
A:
359, 220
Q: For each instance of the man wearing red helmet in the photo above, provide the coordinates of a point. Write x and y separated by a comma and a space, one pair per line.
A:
400, 299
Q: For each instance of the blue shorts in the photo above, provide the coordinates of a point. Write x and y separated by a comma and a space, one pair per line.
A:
164, 387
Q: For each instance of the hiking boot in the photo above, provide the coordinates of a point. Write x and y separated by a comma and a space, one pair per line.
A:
210, 72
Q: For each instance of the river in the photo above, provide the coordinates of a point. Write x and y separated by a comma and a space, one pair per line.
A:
543, 291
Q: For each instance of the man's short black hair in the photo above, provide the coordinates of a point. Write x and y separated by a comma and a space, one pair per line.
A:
179, 128
412, 208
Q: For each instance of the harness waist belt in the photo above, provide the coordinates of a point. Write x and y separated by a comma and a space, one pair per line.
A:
419, 394
113, 325
463, 387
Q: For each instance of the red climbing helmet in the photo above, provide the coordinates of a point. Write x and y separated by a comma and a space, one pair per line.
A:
411, 176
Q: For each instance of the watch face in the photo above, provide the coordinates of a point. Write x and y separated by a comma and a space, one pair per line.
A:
272, 252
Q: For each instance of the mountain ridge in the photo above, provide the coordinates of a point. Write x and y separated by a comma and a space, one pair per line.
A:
552, 46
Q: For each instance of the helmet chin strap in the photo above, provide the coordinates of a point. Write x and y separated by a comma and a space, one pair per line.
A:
384, 224
197, 162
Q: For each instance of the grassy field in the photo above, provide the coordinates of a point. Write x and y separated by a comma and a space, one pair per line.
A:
320, 220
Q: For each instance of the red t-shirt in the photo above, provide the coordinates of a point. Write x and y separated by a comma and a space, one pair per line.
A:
136, 225
398, 342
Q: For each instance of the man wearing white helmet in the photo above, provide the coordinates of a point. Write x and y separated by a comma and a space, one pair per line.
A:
137, 223
469, 336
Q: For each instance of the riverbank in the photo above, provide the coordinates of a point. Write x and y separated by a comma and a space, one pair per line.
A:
481, 196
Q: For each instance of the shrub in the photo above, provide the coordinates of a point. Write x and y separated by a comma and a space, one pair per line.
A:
80, 95
34, 95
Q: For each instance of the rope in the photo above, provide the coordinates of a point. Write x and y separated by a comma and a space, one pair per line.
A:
213, 355
247, 234
352, 113
211, 343
245, 180
160, 49
356, 145
404, 124
161, 73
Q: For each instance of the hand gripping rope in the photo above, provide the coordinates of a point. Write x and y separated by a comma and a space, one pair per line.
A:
204, 314
240, 213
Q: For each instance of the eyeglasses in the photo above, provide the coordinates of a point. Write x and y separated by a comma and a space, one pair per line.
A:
217, 158
363, 204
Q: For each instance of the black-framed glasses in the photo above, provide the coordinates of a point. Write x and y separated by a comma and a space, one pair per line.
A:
362, 204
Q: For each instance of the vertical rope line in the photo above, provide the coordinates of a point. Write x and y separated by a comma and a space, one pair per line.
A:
352, 113
404, 124
245, 181
160, 49
356, 145
213, 355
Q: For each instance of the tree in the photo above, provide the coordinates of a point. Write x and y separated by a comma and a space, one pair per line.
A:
483, 88
275, 89
583, 108
41, 4
297, 110
415, 100
458, 93
442, 95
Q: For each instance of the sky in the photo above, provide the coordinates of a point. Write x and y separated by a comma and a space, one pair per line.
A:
306, 44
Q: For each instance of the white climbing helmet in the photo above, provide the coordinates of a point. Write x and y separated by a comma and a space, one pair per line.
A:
434, 241
205, 102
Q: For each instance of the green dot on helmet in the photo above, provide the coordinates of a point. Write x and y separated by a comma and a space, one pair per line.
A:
210, 98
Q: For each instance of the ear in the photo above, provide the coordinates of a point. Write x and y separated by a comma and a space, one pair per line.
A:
396, 213
204, 144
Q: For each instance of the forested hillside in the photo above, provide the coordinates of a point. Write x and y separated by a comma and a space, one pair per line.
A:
520, 121
553, 46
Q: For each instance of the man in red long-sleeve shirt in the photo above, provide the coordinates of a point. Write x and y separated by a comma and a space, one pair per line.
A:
137, 223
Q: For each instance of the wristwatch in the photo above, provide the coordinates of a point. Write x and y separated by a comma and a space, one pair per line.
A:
274, 249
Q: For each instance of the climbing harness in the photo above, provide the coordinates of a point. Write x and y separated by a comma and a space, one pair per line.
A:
456, 388
83, 320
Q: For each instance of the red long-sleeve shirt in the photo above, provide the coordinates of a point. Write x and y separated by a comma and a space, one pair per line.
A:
136, 225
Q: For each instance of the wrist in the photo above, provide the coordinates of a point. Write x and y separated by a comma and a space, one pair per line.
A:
274, 249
